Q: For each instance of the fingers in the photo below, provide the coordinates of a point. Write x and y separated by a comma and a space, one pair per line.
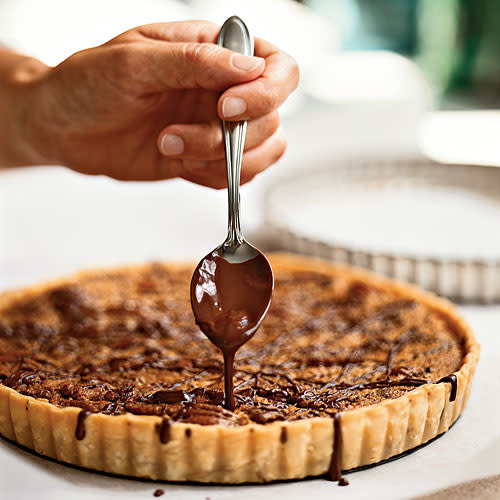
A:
203, 141
264, 94
213, 173
182, 31
184, 56
206, 173
158, 66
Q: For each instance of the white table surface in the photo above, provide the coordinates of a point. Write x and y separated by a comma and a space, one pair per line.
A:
53, 221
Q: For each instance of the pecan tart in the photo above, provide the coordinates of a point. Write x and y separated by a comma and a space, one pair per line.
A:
107, 370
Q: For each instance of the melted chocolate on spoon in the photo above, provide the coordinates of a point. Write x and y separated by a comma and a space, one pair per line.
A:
229, 302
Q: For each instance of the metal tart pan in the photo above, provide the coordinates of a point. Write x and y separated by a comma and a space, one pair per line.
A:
466, 278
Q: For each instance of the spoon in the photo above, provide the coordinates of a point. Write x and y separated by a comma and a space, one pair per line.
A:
232, 286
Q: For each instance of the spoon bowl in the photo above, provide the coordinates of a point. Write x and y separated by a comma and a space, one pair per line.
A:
230, 294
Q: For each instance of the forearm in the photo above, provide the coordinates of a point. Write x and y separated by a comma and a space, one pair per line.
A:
18, 77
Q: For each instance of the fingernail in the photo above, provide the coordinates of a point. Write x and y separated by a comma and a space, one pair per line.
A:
171, 145
233, 106
245, 63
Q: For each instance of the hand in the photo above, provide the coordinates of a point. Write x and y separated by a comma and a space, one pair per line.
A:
147, 105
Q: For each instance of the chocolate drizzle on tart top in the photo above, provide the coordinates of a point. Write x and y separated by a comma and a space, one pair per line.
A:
125, 342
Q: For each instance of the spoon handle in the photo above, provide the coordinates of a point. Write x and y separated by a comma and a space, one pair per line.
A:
234, 35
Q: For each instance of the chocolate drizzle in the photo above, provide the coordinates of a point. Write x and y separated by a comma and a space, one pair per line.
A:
452, 379
113, 345
335, 469
80, 430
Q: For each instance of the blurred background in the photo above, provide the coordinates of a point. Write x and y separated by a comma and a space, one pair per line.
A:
392, 164
394, 126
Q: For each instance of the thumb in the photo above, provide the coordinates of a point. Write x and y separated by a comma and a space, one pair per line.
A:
179, 65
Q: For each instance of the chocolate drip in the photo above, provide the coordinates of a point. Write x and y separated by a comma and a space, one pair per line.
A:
228, 356
164, 430
452, 379
158, 493
283, 435
335, 469
80, 431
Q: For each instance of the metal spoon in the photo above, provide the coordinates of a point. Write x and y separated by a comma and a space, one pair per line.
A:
232, 286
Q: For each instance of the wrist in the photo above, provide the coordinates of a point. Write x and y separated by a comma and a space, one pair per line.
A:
20, 77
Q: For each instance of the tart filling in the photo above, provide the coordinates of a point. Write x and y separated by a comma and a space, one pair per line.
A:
336, 343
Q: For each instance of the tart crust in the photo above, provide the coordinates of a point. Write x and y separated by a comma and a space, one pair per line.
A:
129, 445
